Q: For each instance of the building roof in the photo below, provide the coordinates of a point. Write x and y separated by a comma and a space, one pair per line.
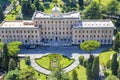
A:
40, 15
18, 24
94, 24
56, 14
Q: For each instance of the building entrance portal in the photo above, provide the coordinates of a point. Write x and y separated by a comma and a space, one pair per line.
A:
56, 38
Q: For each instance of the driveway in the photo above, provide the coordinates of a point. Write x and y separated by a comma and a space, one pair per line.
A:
65, 50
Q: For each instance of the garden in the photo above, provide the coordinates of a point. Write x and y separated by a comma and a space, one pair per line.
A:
53, 61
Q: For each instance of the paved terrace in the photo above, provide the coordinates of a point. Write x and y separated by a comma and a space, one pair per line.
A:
65, 50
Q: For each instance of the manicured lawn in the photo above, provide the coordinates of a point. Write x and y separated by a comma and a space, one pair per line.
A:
81, 72
105, 57
45, 62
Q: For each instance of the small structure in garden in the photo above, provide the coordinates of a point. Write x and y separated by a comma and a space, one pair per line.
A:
54, 60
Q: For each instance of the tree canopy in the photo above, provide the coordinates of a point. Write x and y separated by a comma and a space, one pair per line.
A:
14, 48
90, 45
92, 11
116, 43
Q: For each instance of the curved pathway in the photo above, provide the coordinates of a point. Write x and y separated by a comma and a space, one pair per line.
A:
45, 71
75, 56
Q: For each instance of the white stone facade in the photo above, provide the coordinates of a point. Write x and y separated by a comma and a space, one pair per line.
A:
63, 28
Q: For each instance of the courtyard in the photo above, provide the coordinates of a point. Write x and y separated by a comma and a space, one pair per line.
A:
65, 50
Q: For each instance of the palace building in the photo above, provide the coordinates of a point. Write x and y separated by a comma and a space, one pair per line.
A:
56, 28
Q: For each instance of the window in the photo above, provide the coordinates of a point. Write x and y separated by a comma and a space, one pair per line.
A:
101, 35
87, 36
59, 28
75, 31
2, 31
59, 32
79, 36
75, 35
109, 36
66, 32
83, 36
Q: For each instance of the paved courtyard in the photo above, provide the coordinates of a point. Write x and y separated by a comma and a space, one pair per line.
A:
65, 50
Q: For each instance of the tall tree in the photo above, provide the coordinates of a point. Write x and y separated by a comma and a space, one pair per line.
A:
89, 67
95, 69
93, 11
90, 45
12, 64
114, 64
118, 72
5, 57
81, 4
116, 42
74, 75
1, 14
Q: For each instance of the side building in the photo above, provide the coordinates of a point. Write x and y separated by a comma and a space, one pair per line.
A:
57, 28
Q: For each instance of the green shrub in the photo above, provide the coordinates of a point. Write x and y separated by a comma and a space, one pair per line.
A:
27, 60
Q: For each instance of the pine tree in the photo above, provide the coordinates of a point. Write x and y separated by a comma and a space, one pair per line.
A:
12, 64
1, 14
89, 67
114, 64
74, 75
95, 69
116, 43
5, 57
81, 4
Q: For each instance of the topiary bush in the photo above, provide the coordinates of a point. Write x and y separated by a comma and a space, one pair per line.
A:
81, 59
